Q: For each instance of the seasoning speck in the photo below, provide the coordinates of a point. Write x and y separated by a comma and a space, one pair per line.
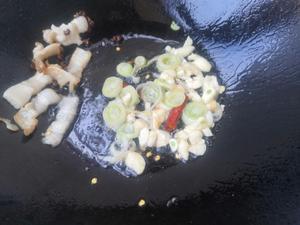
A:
157, 158
67, 32
173, 201
174, 26
222, 89
117, 39
118, 49
148, 154
94, 181
142, 203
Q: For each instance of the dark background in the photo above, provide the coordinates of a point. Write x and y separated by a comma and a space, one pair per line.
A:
250, 175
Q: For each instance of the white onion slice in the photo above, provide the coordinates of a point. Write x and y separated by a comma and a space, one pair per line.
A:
67, 34
18, 95
79, 60
67, 110
26, 117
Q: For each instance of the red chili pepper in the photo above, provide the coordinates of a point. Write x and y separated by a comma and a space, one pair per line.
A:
174, 117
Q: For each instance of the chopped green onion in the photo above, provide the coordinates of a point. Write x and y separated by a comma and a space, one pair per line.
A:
209, 94
193, 111
174, 98
127, 131
114, 114
112, 87
167, 61
173, 144
163, 83
164, 106
130, 93
153, 60
174, 26
151, 92
140, 61
125, 69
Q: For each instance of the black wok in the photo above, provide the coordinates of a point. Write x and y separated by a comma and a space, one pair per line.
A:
249, 175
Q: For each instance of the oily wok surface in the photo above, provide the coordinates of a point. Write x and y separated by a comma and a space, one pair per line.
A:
250, 175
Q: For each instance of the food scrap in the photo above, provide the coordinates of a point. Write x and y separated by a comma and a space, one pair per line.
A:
174, 26
9, 125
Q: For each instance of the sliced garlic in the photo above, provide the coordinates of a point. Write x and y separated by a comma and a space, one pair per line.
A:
182, 150
183, 51
195, 82
195, 136
209, 119
212, 105
217, 115
126, 99
143, 137
207, 132
181, 135
152, 138
162, 139
135, 162
130, 117
209, 94
200, 62
191, 69
140, 124
198, 149
193, 95
158, 117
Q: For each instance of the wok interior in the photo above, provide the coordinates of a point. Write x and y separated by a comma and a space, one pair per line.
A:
255, 46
